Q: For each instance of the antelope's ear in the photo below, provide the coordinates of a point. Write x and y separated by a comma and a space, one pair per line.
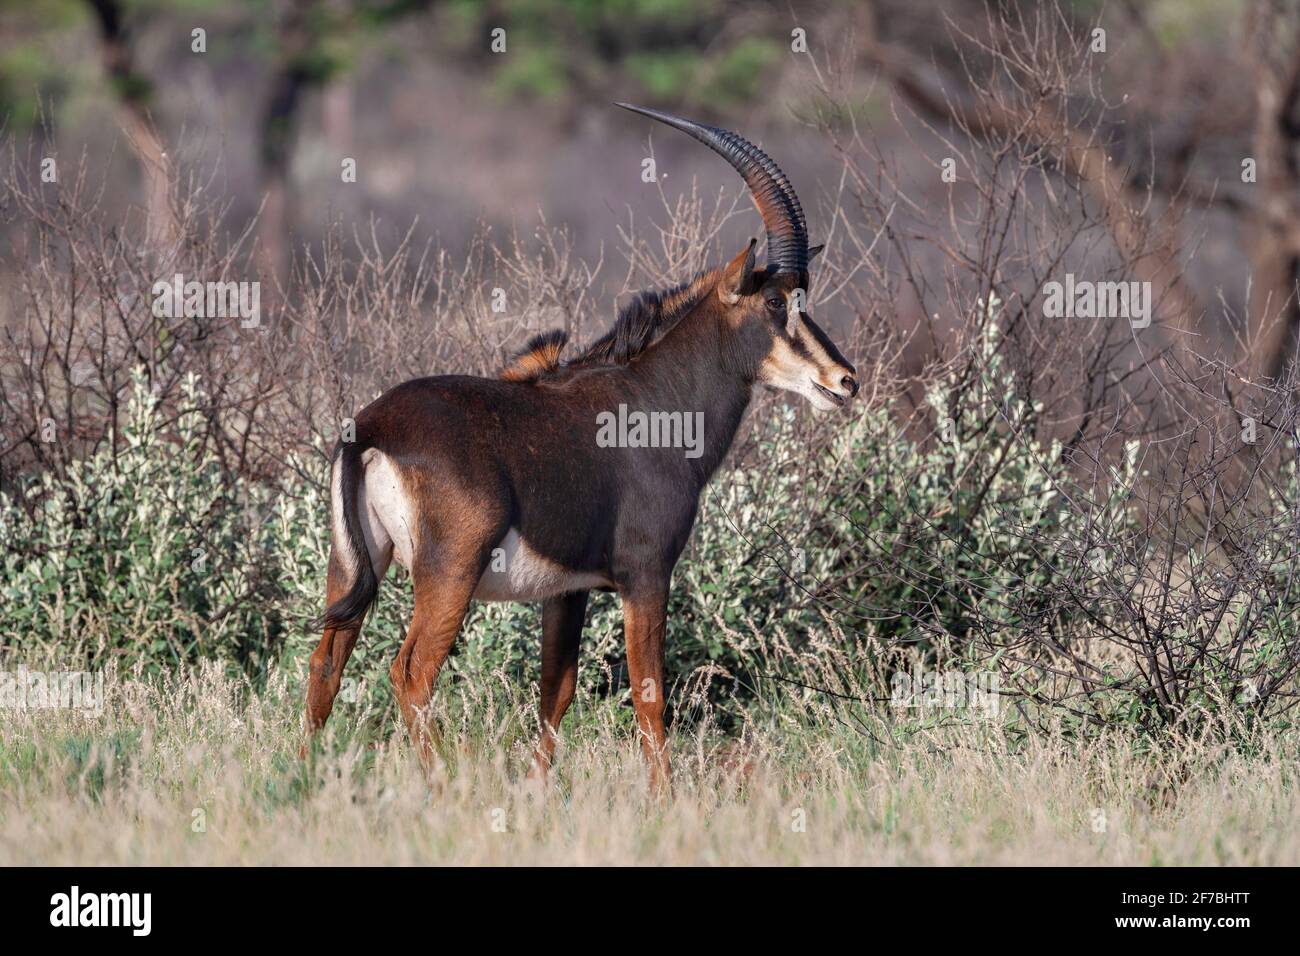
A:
815, 251
738, 277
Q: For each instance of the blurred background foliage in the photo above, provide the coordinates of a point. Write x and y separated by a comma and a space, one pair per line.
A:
446, 131
707, 50
443, 125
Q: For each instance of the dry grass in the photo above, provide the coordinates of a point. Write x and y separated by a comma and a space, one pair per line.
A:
131, 786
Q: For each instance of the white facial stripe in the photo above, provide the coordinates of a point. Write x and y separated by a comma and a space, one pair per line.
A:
786, 369
782, 365
815, 348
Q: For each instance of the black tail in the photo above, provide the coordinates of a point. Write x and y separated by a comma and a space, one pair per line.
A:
350, 610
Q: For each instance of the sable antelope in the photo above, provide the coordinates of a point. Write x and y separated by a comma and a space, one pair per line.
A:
447, 472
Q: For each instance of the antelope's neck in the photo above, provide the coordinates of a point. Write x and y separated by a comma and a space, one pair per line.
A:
687, 372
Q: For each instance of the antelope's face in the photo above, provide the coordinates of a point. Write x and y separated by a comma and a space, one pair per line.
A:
792, 353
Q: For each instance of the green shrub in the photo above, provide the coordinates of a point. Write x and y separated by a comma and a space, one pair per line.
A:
970, 530
147, 554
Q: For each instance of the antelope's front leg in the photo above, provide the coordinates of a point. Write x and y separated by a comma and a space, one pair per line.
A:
645, 617
562, 619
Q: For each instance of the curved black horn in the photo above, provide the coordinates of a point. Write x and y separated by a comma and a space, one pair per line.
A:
787, 232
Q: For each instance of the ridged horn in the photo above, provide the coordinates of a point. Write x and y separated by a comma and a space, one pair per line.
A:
787, 232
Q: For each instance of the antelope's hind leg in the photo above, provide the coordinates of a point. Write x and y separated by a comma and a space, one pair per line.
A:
562, 619
325, 672
441, 602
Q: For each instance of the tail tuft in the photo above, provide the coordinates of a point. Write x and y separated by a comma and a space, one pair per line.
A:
351, 609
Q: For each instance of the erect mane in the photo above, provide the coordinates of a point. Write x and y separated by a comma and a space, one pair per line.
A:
645, 320
540, 356
640, 324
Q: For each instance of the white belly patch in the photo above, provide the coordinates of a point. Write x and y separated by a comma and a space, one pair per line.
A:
518, 573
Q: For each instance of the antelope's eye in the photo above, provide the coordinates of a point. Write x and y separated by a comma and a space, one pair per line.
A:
775, 303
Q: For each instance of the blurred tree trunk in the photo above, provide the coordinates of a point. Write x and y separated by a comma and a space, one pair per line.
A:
305, 61
162, 224
337, 116
278, 131
1272, 49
